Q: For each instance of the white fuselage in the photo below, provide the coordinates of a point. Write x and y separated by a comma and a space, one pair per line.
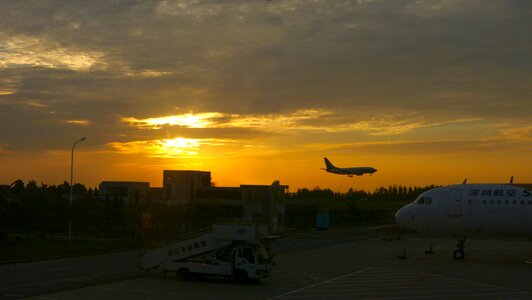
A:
472, 209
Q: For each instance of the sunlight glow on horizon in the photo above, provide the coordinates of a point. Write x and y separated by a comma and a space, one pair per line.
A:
165, 148
189, 120
78, 122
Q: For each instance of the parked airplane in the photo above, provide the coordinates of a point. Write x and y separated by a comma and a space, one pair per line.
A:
464, 210
348, 171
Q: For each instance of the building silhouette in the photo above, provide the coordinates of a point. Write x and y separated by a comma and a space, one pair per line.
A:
180, 187
259, 203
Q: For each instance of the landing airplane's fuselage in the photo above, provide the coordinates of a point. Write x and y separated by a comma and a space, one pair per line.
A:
472, 209
347, 171
352, 171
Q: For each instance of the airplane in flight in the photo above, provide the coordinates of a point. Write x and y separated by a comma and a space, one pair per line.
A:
465, 210
348, 171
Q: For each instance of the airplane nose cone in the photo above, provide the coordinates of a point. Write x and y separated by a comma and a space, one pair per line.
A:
402, 215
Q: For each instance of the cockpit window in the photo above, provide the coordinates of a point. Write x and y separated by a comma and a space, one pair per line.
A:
424, 200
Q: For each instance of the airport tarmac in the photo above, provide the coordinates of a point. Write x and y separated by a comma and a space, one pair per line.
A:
345, 268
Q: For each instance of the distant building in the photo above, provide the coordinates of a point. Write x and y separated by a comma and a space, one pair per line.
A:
260, 203
180, 187
127, 191
265, 203
227, 196
156, 195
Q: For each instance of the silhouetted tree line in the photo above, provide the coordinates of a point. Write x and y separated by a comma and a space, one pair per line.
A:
32, 209
301, 211
45, 209
393, 192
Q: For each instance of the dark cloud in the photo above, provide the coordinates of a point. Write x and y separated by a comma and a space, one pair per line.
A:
102, 60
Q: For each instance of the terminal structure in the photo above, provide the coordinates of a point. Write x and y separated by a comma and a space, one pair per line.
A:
263, 203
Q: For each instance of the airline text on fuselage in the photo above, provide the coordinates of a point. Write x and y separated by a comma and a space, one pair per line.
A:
497, 193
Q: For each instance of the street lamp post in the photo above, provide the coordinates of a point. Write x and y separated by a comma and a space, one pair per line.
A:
71, 190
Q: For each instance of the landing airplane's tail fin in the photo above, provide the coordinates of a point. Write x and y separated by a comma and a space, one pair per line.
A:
328, 164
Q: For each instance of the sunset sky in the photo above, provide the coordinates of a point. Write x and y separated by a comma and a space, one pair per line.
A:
427, 92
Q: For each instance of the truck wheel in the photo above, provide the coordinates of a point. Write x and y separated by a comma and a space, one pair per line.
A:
184, 274
458, 254
241, 276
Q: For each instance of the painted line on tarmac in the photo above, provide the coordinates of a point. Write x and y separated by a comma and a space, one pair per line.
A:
322, 282
62, 269
391, 283
472, 281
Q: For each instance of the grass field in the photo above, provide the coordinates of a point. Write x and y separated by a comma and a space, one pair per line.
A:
17, 248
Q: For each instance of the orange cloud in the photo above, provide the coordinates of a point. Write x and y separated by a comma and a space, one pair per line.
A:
300, 120
202, 120
78, 122
23, 50
160, 148
3, 149
518, 133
